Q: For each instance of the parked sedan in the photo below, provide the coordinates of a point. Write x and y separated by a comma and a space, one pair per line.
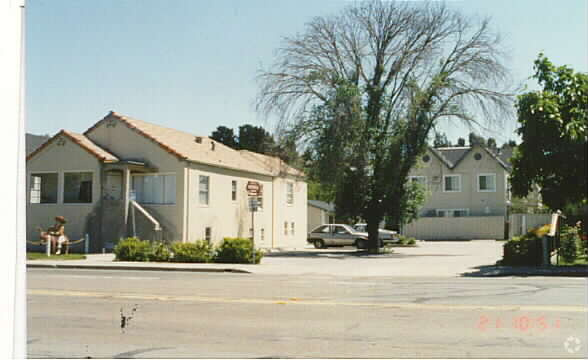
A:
387, 236
336, 235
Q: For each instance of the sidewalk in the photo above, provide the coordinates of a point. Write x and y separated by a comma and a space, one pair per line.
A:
429, 259
106, 262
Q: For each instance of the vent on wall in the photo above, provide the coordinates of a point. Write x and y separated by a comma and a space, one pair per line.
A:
198, 139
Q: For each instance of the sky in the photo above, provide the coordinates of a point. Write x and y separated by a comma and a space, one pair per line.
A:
192, 64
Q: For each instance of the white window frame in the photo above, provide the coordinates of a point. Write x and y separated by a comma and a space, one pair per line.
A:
458, 176
207, 204
416, 177
289, 194
467, 211
61, 183
156, 174
29, 178
487, 174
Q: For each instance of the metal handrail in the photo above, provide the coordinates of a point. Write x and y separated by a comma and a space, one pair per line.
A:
147, 215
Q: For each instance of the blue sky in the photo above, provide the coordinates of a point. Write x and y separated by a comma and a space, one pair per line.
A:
191, 64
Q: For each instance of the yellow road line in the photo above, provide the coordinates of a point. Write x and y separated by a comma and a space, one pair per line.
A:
299, 301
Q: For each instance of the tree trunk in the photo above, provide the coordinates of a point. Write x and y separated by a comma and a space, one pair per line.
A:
373, 224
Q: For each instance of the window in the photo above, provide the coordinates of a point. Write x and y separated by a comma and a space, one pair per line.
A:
234, 190
285, 228
155, 189
260, 203
262, 234
208, 234
452, 212
203, 189
322, 229
341, 230
43, 188
292, 228
487, 182
290, 193
452, 183
77, 187
422, 180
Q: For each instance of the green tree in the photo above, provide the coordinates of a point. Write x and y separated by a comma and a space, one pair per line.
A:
553, 126
475, 139
491, 143
226, 136
441, 140
256, 139
366, 87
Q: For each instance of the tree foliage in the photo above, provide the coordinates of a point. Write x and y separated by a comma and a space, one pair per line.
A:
225, 135
461, 142
553, 126
441, 140
365, 87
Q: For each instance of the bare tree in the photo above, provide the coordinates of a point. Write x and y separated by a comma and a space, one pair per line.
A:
374, 80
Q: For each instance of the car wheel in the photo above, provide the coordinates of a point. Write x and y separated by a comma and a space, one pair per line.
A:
319, 244
360, 243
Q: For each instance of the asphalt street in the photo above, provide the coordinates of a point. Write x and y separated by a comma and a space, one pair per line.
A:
77, 314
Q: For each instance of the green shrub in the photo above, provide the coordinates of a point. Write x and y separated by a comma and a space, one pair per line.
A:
569, 243
132, 249
159, 252
237, 251
525, 250
199, 252
405, 240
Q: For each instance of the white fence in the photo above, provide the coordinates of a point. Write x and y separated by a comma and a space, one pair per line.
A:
521, 223
472, 227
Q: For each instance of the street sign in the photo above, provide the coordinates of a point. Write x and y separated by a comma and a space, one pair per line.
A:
253, 188
253, 204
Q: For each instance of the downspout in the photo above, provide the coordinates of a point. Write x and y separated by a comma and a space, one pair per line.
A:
186, 199
274, 232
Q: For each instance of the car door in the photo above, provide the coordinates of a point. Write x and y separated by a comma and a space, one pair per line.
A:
323, 233
342, 236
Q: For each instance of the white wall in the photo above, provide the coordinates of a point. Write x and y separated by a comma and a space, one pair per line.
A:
456, 228
226, 217
295, 213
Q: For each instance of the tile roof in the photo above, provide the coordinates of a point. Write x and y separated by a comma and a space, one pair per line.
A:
271, 163
200, 149
83, 142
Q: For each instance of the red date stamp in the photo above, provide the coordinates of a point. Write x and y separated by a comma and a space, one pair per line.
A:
522, 323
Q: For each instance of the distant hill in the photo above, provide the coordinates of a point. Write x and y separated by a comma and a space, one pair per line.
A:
34, 141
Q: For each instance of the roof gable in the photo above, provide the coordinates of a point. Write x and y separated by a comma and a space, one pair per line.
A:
81, 141
452, 156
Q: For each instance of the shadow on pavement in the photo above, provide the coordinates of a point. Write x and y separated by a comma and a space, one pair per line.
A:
525, 271
346, 253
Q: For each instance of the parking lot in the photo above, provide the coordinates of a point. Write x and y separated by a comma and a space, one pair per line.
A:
447, 258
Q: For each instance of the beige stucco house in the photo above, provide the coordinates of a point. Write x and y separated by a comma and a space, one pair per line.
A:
469, 183
125, 176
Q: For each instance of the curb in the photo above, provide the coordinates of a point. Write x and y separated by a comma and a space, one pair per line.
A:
144, 268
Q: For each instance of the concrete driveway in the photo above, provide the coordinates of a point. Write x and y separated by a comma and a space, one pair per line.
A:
447, 258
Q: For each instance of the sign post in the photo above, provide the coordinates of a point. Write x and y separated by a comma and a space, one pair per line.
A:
253, 190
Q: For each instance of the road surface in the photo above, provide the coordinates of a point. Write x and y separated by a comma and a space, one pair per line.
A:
77, 313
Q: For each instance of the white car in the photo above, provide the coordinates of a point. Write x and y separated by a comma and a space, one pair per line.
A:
385, 235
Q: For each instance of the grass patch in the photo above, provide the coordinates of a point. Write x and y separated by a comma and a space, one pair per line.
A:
43, 256
580, 260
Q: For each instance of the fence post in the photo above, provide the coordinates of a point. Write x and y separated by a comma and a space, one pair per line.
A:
546, 251
48, 247
86, 243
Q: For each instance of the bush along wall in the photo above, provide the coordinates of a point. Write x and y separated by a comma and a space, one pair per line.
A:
231, 250
525, 250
